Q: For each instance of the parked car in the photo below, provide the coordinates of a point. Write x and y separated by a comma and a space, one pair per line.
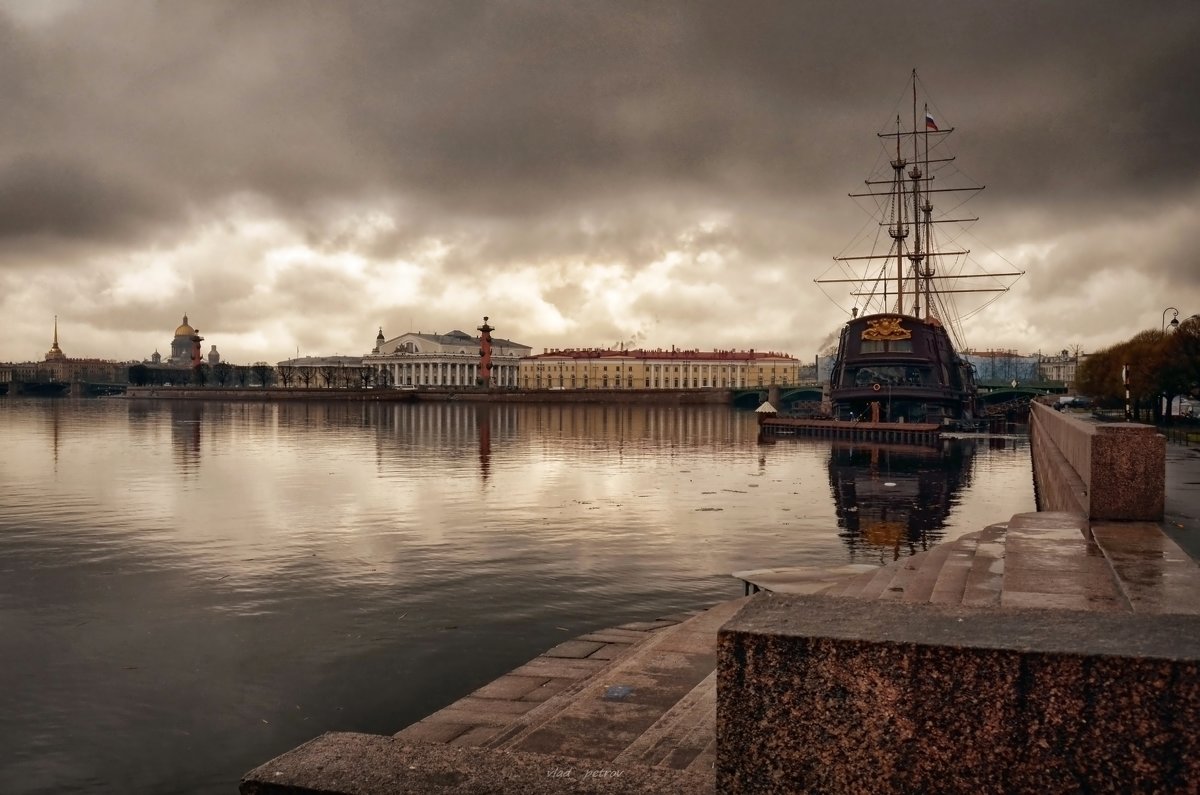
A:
1073, 402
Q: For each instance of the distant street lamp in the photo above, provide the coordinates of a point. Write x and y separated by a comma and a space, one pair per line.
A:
1174, 318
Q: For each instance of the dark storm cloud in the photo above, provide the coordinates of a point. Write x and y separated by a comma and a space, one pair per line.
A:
68, 198
513, 108
523, 134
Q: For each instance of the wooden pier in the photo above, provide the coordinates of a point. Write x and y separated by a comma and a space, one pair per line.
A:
908, 432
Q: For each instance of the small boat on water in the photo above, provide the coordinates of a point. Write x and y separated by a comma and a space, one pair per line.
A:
897, 359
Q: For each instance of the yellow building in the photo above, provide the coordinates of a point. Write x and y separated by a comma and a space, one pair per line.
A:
594, 368
57, 366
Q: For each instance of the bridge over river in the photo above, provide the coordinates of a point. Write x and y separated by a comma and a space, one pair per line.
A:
996, 398
60, 389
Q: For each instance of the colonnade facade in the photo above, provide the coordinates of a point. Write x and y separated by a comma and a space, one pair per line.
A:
590, 369
444, 371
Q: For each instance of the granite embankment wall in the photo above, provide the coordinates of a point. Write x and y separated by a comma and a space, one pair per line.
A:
819, 694
1104, 471
605, 396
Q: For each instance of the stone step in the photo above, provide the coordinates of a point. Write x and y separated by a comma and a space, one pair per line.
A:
919, 585
345, 763
879, 583
853, 585
952, 576
905, 574
909, 571
681, 736
1049, 562
908, 579
606, 714
556, 674
985, 580
799, 579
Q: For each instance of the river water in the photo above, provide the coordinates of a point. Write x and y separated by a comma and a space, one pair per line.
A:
189, 589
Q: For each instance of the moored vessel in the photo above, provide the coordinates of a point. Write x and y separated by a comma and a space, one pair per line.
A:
898, 356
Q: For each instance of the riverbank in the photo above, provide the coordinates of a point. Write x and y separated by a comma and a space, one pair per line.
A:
1074, 637
637, 705
674, 397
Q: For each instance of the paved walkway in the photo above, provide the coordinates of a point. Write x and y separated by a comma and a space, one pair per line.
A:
1182, 519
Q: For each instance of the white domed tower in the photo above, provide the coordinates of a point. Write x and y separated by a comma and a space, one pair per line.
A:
214, 358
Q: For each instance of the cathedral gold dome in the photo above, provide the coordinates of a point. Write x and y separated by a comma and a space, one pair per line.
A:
184, 330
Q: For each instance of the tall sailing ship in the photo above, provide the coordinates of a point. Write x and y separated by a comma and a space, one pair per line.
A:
897, 361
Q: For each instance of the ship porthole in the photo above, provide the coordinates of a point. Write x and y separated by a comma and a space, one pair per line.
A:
876, 387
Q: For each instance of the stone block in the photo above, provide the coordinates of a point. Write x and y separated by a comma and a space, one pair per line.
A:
1105, 471
343, 763
1129, 473
834, 695
575, 649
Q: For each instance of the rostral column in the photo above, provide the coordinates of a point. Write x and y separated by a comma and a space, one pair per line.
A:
197, 357
485, 353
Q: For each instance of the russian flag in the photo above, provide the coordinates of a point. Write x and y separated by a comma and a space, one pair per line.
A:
930, 124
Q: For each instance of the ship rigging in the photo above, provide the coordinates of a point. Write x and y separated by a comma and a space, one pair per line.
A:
897, 360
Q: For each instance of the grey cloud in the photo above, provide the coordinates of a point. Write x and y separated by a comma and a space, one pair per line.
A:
525, 133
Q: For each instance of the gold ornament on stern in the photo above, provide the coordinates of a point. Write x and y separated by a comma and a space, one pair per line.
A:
886, 328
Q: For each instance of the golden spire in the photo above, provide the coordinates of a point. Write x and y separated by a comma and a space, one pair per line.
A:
55, 353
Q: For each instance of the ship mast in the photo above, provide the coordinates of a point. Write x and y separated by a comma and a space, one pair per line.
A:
915, 176
898, 229
906, 201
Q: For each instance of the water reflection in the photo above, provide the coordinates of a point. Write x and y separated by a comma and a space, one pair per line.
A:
215, 583
483, 420
186, 421
894, 500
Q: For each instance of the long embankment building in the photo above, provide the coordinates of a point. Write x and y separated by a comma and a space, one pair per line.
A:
597, 368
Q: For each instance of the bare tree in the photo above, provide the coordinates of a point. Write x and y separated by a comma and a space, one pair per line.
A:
262, 373
384, 377
241, 374
200, 374
308, 374
329, 374
222, 372
366, 375
286, 374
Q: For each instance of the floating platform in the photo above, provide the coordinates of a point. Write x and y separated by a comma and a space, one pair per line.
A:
912, 432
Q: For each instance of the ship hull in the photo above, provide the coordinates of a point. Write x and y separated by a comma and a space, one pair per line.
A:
901, 369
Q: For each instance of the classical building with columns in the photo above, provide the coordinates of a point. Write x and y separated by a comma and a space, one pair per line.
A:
595, 368
442, 360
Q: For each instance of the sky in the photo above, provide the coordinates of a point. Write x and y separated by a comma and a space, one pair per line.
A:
295, 175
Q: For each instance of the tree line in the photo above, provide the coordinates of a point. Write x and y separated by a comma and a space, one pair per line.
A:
1162, 366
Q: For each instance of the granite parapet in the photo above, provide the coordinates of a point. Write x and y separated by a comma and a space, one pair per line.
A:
836, 695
